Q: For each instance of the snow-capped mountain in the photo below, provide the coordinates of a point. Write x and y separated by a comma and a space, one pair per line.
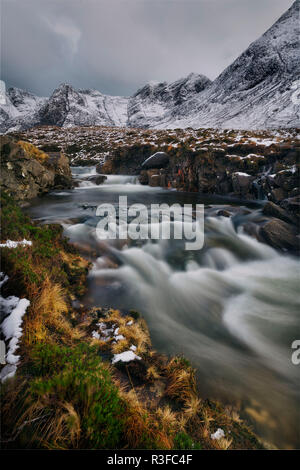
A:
150, 104
258, 90
69, 107
20, 111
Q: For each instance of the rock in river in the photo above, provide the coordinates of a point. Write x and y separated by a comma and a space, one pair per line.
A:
157, 160
281, 235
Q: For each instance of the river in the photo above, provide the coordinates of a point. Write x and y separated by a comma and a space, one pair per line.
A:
232, 308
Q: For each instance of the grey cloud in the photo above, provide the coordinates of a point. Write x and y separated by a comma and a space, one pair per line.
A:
116, 46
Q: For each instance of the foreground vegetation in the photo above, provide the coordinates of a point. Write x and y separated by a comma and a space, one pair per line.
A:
66, 393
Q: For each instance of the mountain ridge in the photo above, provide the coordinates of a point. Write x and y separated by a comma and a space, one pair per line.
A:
255, 91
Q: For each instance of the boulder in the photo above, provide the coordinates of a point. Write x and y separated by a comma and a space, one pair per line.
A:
277, 195
241, 183
280, 235
97, 179
278, 212
157, 160
223, 213
287, 179
59, 163
99, 167
292, 205
155, 180
27, 172
143, 178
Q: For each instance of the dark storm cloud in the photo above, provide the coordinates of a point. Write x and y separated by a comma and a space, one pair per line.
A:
116, 46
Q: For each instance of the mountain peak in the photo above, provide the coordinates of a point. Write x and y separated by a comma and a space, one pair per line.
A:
255, 91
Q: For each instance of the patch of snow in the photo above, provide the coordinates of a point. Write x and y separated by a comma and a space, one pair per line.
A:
218, 434
126, 356
95, 335
13, 310
240, 173
119, 337
15, 244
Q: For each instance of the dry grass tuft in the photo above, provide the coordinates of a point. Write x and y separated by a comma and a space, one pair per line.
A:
152, 373
32, 151
222, 443
167, 418
47, 313
120, 346
192, 406
181, 381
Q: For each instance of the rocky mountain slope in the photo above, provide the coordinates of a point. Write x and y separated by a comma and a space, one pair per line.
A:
68, 107
258, 90
150, 104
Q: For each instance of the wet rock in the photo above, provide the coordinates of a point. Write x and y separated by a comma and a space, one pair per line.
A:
143, 178
224, 213
158, 160
277, 195
99, 167
278, 212
294, 192
287, 179
155, 180
241, 183
292, 205
97, 179
280, 235
59, 163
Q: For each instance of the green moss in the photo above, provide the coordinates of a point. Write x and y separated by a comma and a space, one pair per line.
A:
183, 441
76, 376
28, 266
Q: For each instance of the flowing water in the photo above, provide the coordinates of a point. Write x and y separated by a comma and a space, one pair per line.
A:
232, 308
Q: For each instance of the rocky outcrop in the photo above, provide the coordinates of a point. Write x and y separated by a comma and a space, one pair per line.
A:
27, 172
270, 172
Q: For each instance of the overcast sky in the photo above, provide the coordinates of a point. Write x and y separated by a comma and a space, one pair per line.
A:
116, 46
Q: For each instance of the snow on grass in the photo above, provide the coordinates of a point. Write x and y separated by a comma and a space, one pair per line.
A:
15, 244
265, 142
13, 309
218, 434
126, 356
95, 335
119, 337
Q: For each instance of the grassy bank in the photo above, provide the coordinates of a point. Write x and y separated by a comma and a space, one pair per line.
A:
71, 389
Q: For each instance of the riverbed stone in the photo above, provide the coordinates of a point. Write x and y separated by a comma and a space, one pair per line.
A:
97, 179
143, 178
277, 195
280, 235
278, 212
